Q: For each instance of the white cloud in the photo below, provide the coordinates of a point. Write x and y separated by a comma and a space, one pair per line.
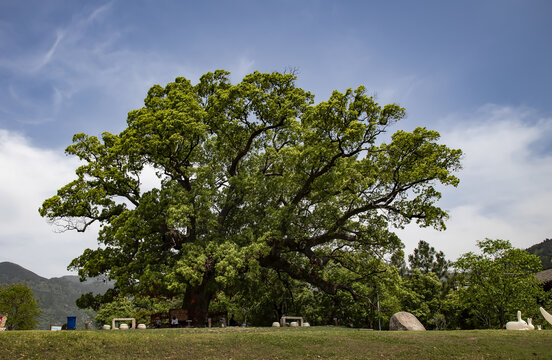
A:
149, 179
505, 190
30, 175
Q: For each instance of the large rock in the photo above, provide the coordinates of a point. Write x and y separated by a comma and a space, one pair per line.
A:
405, 321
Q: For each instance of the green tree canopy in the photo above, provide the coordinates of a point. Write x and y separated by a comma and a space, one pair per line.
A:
497, 283
18, 302
252, 175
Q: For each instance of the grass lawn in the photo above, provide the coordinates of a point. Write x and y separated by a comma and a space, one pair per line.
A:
275, 343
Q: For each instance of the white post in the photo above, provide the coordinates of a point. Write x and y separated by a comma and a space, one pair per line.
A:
379, 317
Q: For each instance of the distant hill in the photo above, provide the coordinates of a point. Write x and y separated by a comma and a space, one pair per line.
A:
544, 251
56, 296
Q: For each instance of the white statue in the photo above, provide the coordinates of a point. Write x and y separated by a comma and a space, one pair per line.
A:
520, 324
546, 315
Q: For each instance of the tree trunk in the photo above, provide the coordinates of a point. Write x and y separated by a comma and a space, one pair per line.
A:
197, 300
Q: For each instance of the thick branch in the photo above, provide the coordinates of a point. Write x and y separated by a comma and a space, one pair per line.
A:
278, 264
229, 202
234, 166
305, 190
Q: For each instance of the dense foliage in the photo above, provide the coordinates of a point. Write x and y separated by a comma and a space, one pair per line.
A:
479, 291
256, 181
497, 283
18, 302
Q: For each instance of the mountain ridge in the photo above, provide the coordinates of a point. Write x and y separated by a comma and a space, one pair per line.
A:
9, 268
544, 251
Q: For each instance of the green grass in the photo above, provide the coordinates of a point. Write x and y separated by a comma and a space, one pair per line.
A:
274, 343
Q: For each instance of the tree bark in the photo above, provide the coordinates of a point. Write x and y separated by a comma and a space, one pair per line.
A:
197, 300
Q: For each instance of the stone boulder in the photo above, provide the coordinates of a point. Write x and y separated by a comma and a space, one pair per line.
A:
405, 321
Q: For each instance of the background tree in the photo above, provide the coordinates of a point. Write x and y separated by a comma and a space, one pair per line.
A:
422, 295
397, 260
118, 308
497, 283
250, 175
426, 259
426, 285
17, 300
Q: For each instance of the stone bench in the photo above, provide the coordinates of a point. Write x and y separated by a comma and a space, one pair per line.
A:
123, 319
283, 320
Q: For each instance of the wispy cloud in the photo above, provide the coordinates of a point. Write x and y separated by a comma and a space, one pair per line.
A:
243, 67
81, 58
71, 32
45, 59
98, 12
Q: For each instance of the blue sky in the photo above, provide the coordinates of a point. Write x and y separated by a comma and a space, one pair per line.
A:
479, 72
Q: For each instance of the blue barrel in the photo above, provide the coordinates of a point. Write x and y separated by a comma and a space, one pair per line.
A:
71, 322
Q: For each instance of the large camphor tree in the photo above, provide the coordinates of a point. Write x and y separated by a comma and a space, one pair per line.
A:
253, 177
